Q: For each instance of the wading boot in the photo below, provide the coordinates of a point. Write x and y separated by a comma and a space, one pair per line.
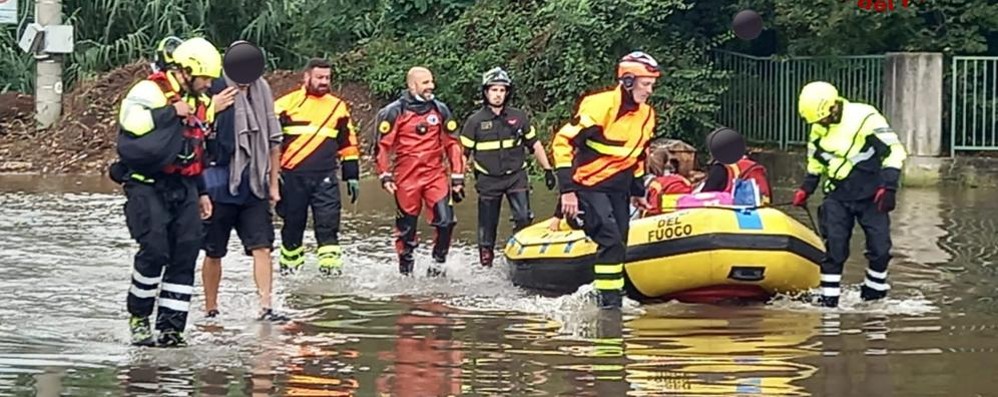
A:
141, 332
330, 260
171, 338
609, 300
291, 260
828, 301
486, 255
405, 266
436, 269
869, 294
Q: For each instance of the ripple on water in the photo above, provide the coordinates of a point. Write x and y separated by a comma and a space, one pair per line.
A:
68, 257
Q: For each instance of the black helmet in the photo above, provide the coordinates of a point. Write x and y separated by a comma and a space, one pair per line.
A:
164, 51
497, 76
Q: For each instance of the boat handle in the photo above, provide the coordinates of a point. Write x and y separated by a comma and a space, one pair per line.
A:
747, 273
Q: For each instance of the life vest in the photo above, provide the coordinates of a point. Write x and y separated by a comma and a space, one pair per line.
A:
747, 183
664, 192
190, 160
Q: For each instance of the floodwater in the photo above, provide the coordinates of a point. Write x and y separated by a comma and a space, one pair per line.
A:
65, 259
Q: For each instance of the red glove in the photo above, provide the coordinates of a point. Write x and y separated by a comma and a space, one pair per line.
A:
800, 198
885, 200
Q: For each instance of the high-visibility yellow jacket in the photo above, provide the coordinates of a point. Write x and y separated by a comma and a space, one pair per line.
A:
855, 156
317, 132
604, 146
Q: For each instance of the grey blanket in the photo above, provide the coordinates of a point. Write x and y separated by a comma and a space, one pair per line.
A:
257, 131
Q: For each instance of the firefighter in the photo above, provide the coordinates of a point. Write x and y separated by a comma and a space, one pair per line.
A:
498, 137
164, 53
731, 166
600, 160
861, 158
420, 132
163, 122
318, 130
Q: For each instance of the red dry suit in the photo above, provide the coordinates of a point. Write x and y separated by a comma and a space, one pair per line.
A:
428, 162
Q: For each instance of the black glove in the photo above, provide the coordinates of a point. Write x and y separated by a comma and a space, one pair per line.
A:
885, 199
549, 180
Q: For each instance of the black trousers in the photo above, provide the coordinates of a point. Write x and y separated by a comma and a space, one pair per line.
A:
164, 219
298, 194
606, 220
491, 190
837, 219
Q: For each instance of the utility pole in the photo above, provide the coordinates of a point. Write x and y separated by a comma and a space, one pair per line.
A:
48, 68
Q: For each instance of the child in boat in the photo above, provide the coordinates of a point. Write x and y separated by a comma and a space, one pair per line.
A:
745, 179
665, 187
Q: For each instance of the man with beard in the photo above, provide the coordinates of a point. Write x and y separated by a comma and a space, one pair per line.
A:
420, 132
600, 159
163, 123
317, 130
498, 136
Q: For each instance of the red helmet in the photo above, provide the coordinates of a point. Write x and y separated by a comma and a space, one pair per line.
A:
637, 64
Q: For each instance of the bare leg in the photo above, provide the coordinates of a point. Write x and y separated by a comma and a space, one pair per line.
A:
211, 277
263, 270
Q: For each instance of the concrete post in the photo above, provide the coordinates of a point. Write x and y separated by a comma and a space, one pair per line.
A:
48, 69
913, 105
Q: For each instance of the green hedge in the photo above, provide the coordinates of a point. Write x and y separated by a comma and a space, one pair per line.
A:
554, 49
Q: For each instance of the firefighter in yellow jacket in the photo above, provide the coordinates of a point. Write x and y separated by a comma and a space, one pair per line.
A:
317, 130
163, 121
599, 157
861, 158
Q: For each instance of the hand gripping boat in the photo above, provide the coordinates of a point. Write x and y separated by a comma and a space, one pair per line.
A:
693, 255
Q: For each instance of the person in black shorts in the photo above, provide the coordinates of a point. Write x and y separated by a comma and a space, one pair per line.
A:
241, 179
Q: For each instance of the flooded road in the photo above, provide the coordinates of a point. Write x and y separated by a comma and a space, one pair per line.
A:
65, 260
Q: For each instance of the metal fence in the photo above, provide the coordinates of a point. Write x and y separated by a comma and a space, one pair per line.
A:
761, 101
973, 103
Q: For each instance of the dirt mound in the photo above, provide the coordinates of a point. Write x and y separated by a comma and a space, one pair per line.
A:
15, 109
83, 141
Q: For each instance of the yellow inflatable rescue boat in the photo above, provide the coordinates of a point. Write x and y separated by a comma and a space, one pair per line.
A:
694, 255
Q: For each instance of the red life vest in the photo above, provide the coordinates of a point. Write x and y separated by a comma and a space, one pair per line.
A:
194, 132
666, 185
746, 169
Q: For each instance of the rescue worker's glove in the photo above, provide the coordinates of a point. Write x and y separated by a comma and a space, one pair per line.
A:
800, 198
353, 189
549, 180
457, 180
806, 188
884, 199
385, 179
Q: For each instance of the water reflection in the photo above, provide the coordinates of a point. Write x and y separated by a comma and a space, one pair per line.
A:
723, 350
426, 356
370, 333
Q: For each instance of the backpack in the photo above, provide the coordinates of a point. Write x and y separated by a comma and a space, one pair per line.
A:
746, 189
157, 149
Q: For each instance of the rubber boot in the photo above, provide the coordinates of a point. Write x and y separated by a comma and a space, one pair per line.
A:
141, 332
436, 269
406, 265
609, 300
171, 338
486, 256
870, 294
828, 301
330, 260
291, 260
